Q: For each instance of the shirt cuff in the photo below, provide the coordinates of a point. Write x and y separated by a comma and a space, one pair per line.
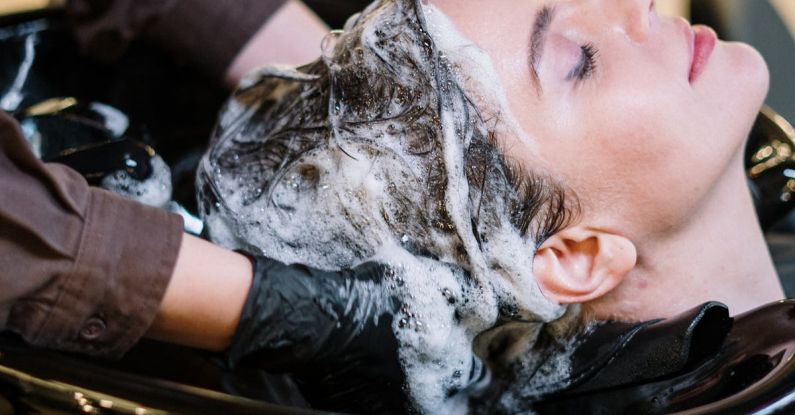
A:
110, 298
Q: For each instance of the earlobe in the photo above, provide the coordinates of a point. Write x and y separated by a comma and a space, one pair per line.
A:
578, 264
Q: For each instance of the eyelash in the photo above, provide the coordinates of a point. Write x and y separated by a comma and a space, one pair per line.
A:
587, 65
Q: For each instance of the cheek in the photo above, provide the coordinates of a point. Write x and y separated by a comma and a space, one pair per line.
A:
631, 135
638, 156
641, 146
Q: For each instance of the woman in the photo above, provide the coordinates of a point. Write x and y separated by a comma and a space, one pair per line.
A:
566, 146
658, 165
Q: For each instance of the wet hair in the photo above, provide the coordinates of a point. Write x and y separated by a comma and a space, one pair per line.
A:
376, 90
379, 143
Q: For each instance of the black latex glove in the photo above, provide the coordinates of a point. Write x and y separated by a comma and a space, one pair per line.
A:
331, 330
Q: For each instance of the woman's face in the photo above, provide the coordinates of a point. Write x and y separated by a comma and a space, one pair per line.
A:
606, 91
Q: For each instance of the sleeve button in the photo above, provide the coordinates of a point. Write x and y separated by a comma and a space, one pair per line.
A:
92, 329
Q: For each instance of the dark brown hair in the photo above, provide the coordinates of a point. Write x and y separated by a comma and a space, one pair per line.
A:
385, 86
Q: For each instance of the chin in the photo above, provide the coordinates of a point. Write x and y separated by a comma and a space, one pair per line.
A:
750, 72
737, 90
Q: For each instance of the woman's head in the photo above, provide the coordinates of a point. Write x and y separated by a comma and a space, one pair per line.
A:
632, 110
378, 151
604, 89
379, 142
568, 125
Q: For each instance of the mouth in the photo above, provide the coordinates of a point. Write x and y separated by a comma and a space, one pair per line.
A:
703, 40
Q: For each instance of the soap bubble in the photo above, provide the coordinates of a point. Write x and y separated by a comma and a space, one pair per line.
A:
384, 149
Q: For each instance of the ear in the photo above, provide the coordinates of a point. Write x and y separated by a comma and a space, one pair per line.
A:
580, 264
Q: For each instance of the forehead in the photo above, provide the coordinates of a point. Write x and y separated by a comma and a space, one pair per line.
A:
490, 48
468, 11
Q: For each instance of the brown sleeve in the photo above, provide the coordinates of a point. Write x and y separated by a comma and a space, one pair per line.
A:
80, 269
205, 33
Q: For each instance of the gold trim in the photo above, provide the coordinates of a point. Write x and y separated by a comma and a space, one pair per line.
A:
51, 106
786, 10
11, 7
675, 7
784, 126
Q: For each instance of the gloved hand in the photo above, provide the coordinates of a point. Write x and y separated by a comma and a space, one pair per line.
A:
331, 330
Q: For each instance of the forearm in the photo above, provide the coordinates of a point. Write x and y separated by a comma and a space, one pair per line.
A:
81, 269
206, 34
209, 286
84, 270
204, 300
292, 36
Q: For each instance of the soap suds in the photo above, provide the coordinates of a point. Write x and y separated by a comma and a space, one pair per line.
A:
380, 151
154, 191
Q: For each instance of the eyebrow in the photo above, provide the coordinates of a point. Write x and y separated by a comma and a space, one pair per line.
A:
538, 37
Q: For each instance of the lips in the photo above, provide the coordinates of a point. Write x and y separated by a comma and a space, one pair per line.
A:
704, 40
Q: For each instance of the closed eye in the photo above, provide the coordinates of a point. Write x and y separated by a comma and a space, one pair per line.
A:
586, 66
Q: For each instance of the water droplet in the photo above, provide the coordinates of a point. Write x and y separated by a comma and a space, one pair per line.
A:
402, 323
404, 239
449, 295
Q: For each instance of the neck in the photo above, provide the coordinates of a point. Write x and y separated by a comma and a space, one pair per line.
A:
721, 255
